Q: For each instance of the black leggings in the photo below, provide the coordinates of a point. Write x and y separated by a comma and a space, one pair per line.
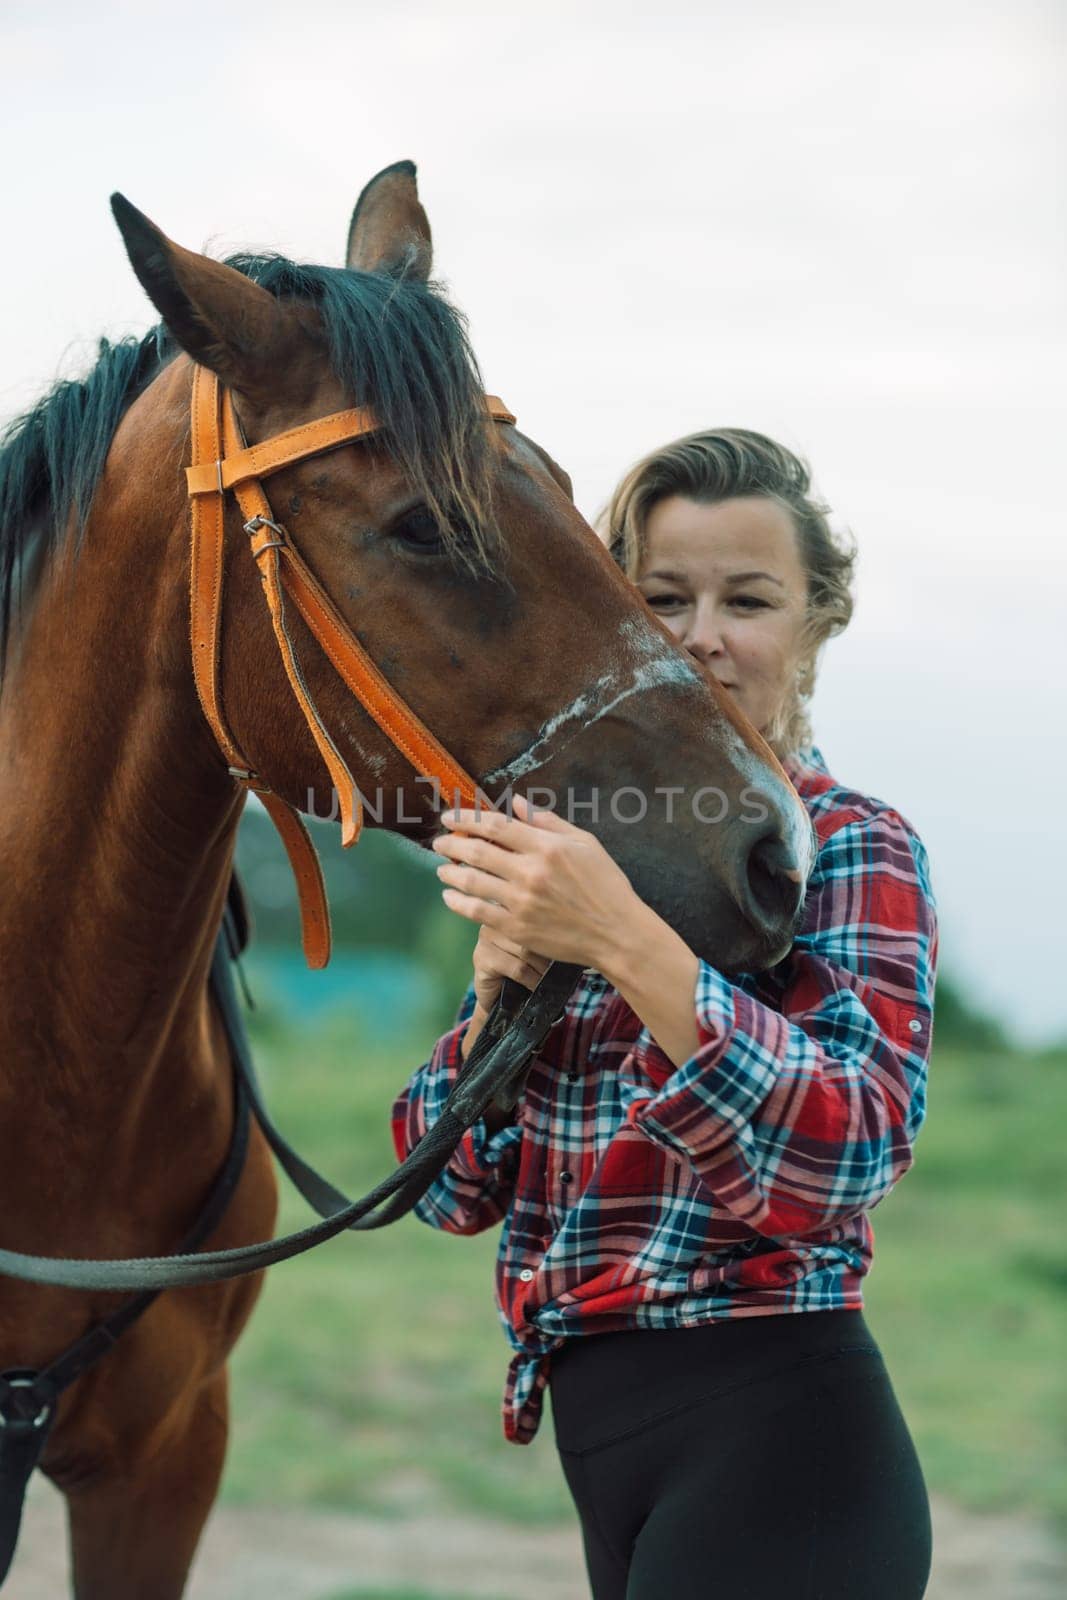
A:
764, 1458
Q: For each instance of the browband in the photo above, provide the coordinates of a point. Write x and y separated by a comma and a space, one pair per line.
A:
296, 444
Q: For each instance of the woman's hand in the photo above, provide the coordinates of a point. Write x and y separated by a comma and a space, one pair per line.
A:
496, 958
538, 883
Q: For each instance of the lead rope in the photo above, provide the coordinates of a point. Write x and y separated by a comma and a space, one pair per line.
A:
492, 1071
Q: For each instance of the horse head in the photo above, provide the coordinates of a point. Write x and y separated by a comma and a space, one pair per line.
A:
450, 546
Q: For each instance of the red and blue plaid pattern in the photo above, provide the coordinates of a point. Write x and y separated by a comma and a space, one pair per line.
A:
638, 1194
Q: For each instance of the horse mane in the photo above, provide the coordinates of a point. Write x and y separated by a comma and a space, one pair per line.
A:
395, 343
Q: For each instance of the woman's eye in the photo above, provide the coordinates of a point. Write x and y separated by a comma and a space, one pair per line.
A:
749, 602
418, 531
663, 599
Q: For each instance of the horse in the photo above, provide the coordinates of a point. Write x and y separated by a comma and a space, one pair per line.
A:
450, 544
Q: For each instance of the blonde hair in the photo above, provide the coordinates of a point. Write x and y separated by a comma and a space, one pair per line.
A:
724, 464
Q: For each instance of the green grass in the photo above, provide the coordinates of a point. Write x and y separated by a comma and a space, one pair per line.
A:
968, 1292
391, 1594
371, 1374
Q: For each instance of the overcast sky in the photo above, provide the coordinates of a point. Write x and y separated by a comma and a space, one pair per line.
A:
842, 225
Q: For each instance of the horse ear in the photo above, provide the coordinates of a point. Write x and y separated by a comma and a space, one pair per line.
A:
220, 317
389, 231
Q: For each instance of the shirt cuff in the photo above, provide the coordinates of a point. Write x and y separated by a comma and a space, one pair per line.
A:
479, 1153
684, 1115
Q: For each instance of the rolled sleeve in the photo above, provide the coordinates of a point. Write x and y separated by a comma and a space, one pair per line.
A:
800, 1117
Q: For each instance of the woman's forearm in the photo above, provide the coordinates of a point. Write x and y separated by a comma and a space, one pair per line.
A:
655, 972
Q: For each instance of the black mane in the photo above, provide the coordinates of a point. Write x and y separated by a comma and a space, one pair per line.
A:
395, 344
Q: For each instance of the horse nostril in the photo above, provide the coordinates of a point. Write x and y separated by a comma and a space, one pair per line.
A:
775, 881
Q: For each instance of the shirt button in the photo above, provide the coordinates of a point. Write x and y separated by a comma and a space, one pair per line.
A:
566, 1177
915, 1026
526, 1274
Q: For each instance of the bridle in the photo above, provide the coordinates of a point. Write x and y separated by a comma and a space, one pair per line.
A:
222, 460
517, 1027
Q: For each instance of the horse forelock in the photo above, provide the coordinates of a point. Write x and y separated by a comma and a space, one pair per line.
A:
397, 346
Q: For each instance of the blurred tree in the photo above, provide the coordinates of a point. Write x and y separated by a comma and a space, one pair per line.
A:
380, 891
384, 895
959, 1022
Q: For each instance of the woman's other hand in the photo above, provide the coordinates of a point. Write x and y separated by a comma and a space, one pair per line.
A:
496, 958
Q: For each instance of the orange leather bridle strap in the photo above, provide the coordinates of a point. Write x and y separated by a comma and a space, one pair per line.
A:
221, 460
247, 462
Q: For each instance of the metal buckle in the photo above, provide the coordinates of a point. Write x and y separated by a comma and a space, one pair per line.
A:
253, 525
13, 1422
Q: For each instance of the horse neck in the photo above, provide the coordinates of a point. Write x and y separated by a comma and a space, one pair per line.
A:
117, 819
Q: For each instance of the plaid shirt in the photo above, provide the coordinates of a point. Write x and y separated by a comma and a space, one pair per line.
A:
638, 1194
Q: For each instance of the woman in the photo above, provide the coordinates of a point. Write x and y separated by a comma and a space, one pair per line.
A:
694, 1160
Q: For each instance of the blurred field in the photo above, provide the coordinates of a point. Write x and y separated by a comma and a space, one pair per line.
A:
371, 1374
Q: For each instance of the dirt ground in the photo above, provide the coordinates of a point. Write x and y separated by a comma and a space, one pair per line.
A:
269, 1553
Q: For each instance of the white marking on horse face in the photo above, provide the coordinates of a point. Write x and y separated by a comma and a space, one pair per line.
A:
658, 666
661, 666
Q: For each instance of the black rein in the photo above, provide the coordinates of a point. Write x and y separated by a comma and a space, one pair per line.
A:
494, 1071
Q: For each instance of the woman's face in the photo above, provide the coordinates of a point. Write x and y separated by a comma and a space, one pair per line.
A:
727, 581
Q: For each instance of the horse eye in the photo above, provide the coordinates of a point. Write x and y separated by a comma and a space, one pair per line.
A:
418, 531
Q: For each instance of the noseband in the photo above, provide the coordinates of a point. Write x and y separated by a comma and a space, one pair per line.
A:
221, 460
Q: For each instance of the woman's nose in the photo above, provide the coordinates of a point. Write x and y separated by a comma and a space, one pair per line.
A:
704, 639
